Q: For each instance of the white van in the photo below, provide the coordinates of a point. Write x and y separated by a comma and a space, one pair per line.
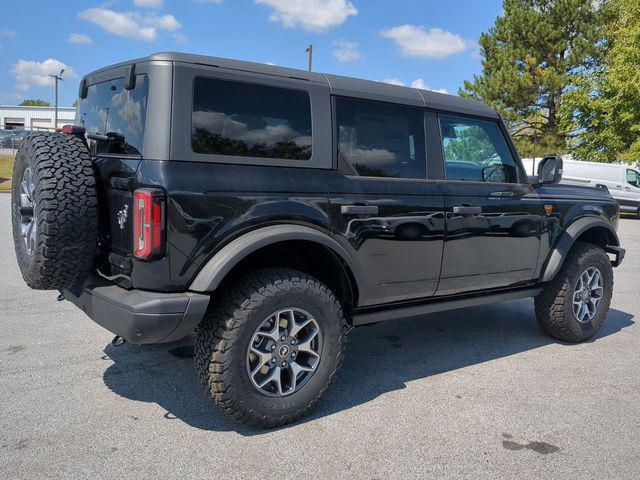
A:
622, 180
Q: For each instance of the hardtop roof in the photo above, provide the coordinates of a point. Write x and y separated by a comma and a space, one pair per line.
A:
339, 85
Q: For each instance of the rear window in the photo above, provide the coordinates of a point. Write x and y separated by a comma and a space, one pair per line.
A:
108, 108
250, 120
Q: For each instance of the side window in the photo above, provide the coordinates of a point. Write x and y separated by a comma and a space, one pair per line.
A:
633, 178
381, 140
250, 120
476, 150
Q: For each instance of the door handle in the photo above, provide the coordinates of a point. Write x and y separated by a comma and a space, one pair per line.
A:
467, 210
628, 189
359, 209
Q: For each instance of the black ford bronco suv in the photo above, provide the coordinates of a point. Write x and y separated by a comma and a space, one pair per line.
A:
271, 210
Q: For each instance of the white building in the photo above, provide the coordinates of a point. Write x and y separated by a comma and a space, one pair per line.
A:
34, 118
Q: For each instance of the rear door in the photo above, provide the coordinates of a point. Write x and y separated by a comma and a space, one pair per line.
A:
629, 194
493, 218
610, 176
382, 207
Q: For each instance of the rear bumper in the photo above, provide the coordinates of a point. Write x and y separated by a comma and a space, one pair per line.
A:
139, 316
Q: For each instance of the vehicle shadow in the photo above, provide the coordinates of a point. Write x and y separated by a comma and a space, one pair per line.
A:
380, 358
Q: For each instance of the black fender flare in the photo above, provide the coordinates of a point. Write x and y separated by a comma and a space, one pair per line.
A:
218, 266
568, 238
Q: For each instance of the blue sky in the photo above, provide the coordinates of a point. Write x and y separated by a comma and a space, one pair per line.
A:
428, 43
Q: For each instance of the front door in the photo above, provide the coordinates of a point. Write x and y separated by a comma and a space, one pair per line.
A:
493, 218
382, 207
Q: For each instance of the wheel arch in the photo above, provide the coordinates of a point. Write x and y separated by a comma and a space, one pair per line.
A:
586, 229
295, 246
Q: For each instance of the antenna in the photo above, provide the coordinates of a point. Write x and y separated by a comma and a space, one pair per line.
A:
309, 50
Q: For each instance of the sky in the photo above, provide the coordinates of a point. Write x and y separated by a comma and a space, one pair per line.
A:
425, 43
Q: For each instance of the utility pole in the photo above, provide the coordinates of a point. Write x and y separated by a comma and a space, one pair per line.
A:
56, 78
309, 50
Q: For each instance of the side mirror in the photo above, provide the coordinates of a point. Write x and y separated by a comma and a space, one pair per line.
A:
550, 170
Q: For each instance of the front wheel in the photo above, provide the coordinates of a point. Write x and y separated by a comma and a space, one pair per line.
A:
270, 346
573, 306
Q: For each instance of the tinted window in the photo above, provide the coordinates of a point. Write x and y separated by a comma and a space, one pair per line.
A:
476, 150
381, 140
633, 178
109, 107
250, 120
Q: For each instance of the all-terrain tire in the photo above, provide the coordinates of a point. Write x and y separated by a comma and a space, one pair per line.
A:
228, 327
65, 211
554, 306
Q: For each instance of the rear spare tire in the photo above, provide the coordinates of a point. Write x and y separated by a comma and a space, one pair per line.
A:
54, 211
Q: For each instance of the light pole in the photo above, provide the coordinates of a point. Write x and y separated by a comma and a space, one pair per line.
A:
56, 78
309, 50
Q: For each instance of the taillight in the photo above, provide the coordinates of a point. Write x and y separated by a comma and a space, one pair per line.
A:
73, 130
148, 223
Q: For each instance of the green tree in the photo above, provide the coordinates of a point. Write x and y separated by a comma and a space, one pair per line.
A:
529, 58
34, 102
469, 145
603, 107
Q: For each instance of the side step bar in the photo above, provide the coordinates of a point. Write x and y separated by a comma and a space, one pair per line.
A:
366, 318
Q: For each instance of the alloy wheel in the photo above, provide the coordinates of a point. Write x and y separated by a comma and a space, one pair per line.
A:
28, 218
284, 352
587, 295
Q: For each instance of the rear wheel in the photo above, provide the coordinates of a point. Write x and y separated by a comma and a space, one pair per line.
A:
270, 346
573, 306
54, 211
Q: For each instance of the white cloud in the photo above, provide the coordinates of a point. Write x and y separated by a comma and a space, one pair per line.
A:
416, 41
29, 73
417, 83
132, 24
8, 33
346, 51
79, 38
395, 81
148, 3
314, 15
180, 38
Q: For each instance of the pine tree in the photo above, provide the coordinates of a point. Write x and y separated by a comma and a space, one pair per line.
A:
529, 58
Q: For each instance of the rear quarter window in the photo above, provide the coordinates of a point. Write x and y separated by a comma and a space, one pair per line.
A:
250, 120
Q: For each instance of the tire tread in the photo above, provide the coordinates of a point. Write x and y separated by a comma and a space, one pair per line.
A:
67, 211
552, 303
219, 334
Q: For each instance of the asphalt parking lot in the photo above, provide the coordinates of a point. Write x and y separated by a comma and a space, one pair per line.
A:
475, 393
